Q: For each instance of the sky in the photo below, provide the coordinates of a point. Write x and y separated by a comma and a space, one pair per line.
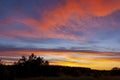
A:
79, 33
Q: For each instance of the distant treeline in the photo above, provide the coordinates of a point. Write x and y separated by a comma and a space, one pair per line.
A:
36, 66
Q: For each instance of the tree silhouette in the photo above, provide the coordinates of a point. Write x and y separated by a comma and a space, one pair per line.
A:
32, 60
22, 60
31, 66
32, 57
46, 63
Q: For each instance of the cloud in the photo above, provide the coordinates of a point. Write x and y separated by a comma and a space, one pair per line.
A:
100, 7
71, 20
78, 10
74, 15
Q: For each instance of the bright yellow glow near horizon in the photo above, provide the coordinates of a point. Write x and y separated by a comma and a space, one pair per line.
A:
100, 61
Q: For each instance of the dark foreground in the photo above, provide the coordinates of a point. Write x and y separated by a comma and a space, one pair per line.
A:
36, 68
74, 78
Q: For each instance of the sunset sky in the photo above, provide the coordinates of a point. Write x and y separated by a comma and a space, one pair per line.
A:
80, 33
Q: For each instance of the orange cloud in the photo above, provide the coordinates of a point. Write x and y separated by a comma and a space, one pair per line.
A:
100, 7
71, 15
76, 10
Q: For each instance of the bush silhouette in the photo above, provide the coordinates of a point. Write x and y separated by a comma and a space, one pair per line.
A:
115, 71
32, 60
31, 66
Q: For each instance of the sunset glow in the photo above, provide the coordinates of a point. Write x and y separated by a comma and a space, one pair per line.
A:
79, 33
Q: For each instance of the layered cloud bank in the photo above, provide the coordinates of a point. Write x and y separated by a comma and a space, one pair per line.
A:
61, 26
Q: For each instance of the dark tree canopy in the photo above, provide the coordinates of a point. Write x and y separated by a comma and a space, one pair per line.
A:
32, 60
